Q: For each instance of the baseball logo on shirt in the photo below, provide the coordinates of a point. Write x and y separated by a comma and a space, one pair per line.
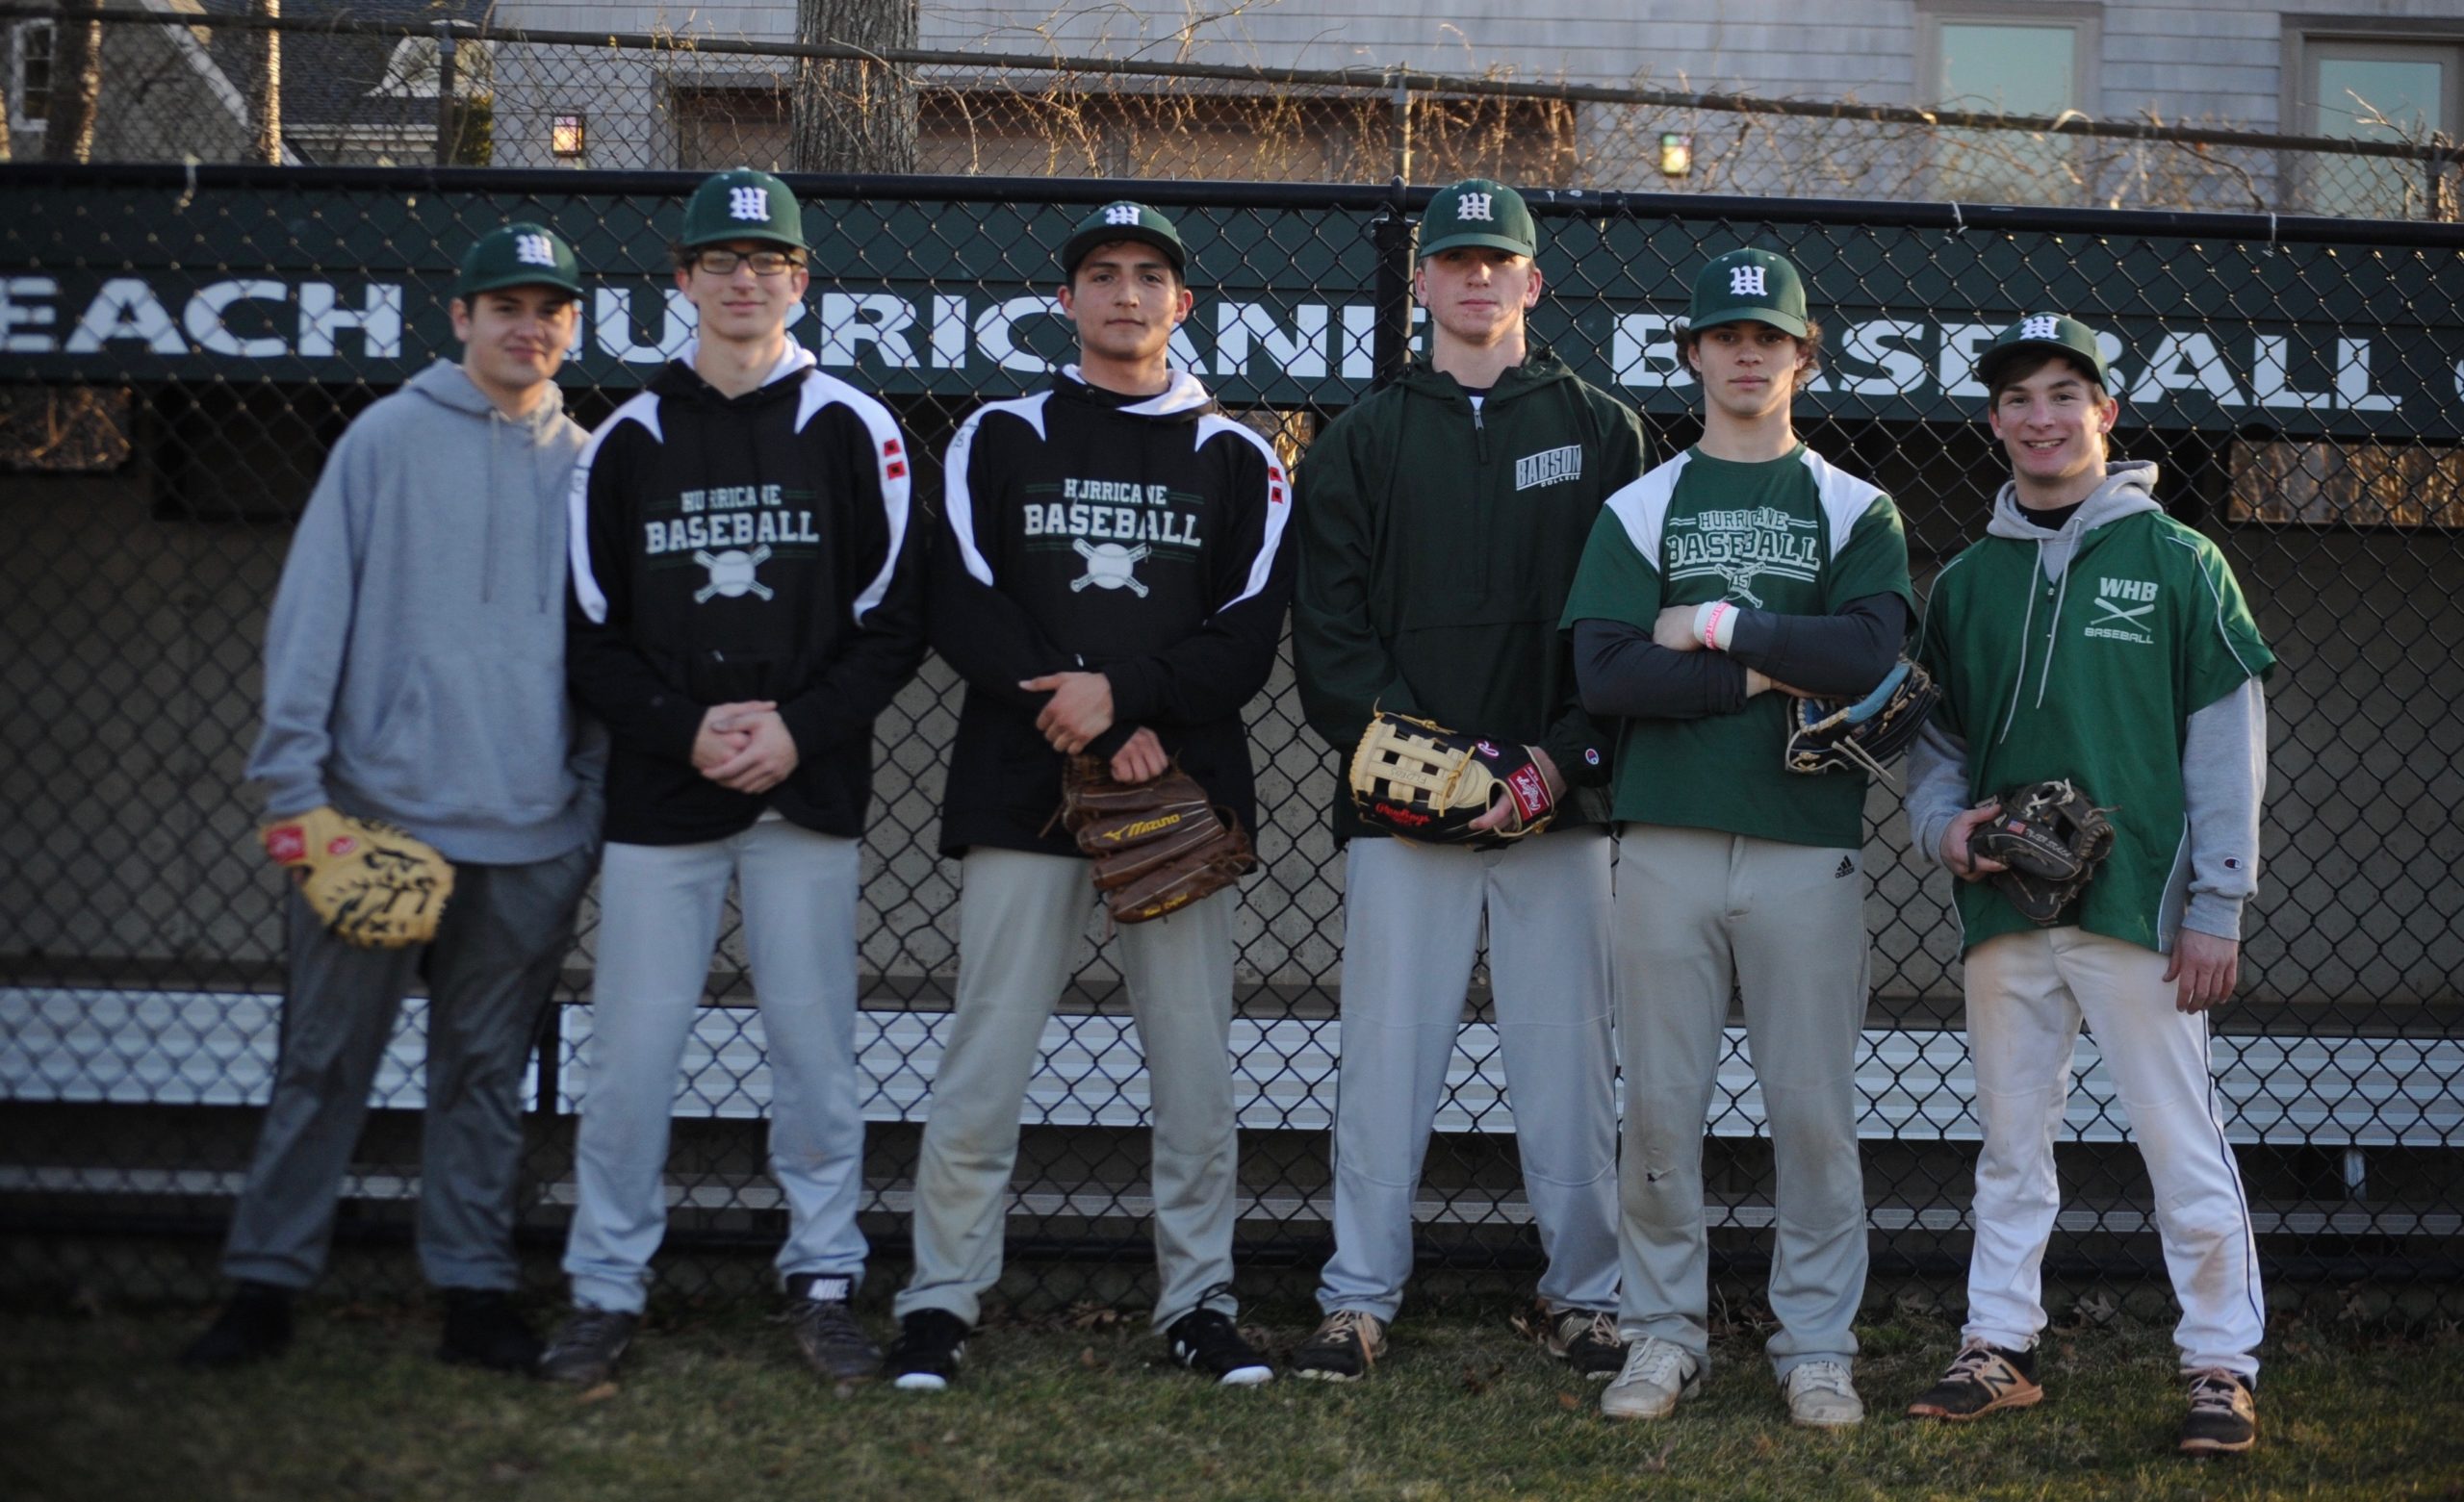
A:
2125, 607
1738, 545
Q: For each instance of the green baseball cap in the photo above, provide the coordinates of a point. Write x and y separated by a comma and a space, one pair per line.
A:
1477, 212
742, 203
519, 255
2047, 333
1761, 286
1122, 220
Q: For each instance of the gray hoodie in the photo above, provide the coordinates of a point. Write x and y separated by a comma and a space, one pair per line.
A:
2223, 753
415, 657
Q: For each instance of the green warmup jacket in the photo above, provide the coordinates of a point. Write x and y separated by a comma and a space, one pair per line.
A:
2119, 653
1437, 542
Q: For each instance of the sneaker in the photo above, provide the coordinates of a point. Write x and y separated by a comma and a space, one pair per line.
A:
483, 1329
1586, 1340
825, 1331
926, 1355
1981, 1380
1656, 1373
255, 1326
1821, 1396
2225, 1415
1206, 1340
1347, 1342
585, 1352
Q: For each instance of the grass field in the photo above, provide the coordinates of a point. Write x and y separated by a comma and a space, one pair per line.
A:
713, 1404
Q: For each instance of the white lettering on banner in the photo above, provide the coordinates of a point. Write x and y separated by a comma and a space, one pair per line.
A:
1880, 344
126, 308
1638, 357
379, 319
2270, 377
993, 332
204, 318
1360, 342
949, 332
2187, 362
1954, 371
2352, 379
20, 309
852, 318
1301, 353
616, 311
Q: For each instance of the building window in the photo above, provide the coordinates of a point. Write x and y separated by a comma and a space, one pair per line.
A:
29, 63
567, 135
2347, 483
2374, 88
2011, 60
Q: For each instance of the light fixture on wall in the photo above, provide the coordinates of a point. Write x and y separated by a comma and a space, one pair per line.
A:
567, 135
1677, 153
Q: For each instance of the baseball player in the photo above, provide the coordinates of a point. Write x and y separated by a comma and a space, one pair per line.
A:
745, 602
1111, 582
2090, 637
1441, 520
1743, 570
414, 672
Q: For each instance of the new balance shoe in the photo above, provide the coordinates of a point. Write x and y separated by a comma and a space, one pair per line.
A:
1981, 1379
1821, 1394
1586, 1340
1656, 1373
587, 1346
926, 1355
255, 1326
482, 1328
1206, 1340
825, 1331
2225, 1415
1345, 1346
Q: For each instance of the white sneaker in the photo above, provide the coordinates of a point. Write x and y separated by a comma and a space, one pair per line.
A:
1821, 1396
1656, 1374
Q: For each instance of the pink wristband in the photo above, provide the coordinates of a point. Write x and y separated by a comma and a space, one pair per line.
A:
1715, 624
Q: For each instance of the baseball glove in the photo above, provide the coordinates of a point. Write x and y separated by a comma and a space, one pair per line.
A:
2052, 836
1158, 846
1419, 779
1839, 735
368, 882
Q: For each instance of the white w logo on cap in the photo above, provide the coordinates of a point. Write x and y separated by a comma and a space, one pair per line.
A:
749, 203
1122, 214
2041, 325
1474, 206
1746, 281
533, 250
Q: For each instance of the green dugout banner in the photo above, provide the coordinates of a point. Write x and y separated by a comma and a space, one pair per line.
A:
102, 281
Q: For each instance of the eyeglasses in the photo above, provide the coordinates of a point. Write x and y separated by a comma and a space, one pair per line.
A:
764, 263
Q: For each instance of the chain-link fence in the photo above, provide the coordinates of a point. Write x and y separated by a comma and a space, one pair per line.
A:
180, 347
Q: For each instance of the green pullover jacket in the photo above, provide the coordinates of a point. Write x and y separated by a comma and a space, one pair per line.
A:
1437, 543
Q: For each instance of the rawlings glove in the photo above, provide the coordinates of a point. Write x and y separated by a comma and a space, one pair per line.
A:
1839, 735
368, 882
1158, 846
1419, 779
2052, 836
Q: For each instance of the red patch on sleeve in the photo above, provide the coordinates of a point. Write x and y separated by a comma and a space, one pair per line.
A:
897, 469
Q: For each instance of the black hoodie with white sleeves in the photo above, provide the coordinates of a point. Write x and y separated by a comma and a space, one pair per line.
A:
1084, 530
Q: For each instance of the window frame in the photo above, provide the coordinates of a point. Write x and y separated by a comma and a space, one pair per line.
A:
2085, 21
21, 121
2310, 40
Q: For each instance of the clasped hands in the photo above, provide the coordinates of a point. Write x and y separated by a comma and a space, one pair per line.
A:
1081, 709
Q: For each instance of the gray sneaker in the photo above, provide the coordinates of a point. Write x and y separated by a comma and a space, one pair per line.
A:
825, 1331
587, 1347
1656, 1374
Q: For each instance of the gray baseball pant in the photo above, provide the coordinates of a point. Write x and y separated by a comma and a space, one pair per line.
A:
1021, 921
490, 971
1412, 915
660, 913
1700, 914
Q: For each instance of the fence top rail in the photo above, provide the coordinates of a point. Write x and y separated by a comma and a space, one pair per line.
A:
1548, 202
2071, 122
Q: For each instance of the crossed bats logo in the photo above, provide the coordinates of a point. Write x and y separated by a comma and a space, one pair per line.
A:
1109, 566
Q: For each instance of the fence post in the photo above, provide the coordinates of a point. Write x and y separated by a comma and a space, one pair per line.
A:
444, 113
1402, 125
1391, 346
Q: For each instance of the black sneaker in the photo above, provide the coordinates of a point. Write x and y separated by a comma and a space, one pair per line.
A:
1206, 1340
587, 1348
1586, 1340
483, 1329
825, 1331
924, 1357
1981, 1379
1347, 1345
2225, 1415
255, 1326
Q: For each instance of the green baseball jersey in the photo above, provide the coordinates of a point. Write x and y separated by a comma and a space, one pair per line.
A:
1793, 535
2092, 677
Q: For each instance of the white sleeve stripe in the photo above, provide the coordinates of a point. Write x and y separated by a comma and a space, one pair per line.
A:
958, 502
1844, 498
889, 453
1278, 510
1641, 507
2216, 599
642, 408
